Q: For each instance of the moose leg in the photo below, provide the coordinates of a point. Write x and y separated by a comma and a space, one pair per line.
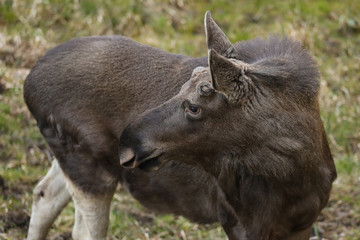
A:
91, 212
230, 222
50, 197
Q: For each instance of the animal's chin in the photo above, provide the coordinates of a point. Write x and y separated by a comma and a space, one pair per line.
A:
152, 164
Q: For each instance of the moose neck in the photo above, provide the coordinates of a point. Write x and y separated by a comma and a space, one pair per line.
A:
239, 185
227, 169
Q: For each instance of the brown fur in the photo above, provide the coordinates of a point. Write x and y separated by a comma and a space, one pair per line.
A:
264, 169
256, 129
84, 92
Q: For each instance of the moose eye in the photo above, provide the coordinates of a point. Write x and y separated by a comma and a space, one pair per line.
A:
194, 110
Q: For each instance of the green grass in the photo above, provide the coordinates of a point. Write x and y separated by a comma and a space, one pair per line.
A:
329, 30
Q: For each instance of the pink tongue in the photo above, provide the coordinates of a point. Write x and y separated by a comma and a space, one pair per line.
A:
127, 158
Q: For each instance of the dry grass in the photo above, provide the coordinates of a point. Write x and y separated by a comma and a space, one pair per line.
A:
330, 30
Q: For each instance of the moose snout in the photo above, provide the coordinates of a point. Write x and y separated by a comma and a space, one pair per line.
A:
130, 158
129, 148
138, 152
144, 160
127, 158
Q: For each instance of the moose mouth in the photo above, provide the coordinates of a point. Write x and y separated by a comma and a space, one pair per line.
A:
129, 160
151, 164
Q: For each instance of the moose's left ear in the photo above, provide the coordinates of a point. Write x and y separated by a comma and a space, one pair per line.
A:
216, 38
229, 77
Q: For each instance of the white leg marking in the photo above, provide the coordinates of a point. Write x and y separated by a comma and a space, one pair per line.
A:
49, 198
91, 213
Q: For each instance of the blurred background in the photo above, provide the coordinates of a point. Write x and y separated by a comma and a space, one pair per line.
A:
329, 30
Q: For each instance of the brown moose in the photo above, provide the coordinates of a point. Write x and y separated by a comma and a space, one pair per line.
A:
242, 143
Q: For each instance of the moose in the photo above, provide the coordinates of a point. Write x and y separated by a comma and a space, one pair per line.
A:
235, 137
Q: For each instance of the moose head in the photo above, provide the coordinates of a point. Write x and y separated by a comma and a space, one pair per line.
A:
256, 100
251, 119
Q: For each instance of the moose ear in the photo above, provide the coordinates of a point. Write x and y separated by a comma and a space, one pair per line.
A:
229, 77
216, 38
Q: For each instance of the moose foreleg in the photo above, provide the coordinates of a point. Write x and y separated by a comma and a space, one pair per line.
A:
230, 223
49, 198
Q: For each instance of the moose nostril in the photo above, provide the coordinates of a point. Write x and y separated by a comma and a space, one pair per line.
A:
127, 158
129, 164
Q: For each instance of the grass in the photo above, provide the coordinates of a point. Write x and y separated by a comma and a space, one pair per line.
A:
330, 30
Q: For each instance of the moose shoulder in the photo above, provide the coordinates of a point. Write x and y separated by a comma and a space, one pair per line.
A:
251, 119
